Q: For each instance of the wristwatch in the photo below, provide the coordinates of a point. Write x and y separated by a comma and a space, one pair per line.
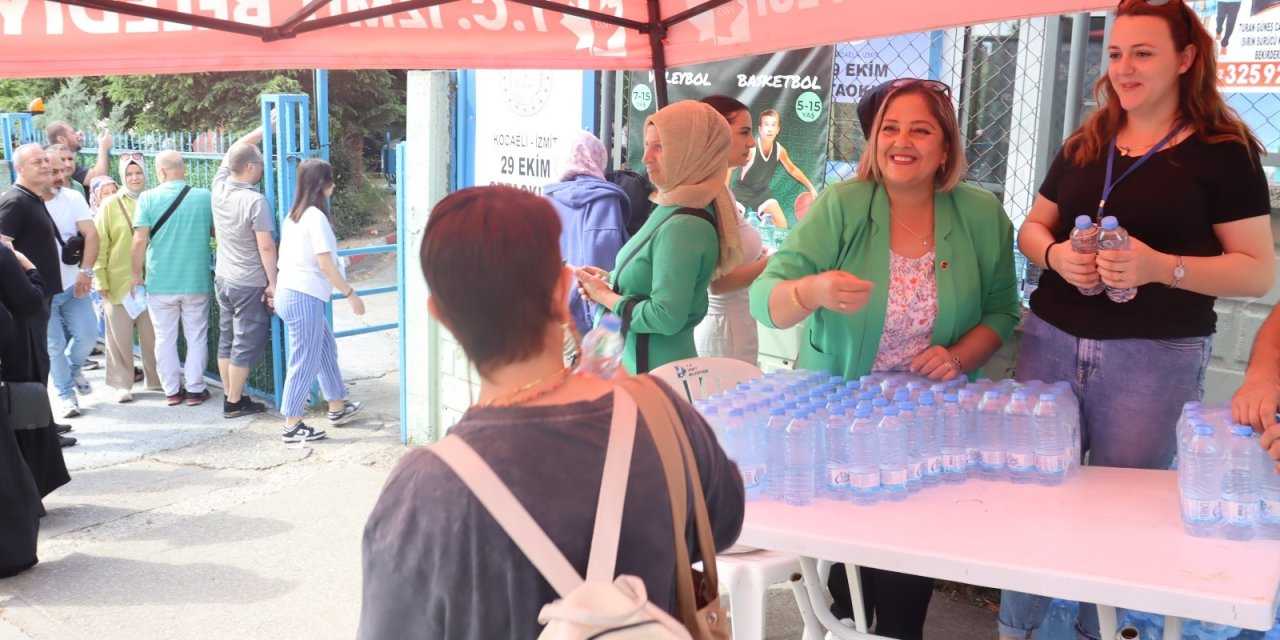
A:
1179, 272
87, 272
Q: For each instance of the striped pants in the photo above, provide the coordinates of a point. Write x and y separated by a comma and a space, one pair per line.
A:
312, 351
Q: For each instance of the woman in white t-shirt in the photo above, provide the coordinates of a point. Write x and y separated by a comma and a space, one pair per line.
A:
307, 276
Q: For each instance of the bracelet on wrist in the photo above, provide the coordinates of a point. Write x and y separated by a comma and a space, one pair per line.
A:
1048, 266
795, 297
955, 359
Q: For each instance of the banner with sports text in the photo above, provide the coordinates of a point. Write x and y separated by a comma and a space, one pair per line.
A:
39, 38
788, 95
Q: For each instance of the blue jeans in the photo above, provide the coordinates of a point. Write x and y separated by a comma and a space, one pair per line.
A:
73, 330
1131, 393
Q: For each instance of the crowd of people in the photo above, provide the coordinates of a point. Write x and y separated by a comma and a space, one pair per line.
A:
145, 254
903, 268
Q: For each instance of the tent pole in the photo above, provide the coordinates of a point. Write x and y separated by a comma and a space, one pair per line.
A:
657, 33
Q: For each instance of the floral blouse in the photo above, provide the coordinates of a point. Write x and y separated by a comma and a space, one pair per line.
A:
913, 307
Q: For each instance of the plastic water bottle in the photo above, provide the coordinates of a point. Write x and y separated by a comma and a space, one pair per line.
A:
893, 456
1200, 478
915, 460
768, 233
1020, 449
1240, 487
969, 400
1050, 441
1113, 236
775, 438
1084, 239
990, 432
602, 348
1270, 483
1201, 630
836, 464
955, 453
739, 444
797, 486
927, 416
864, 458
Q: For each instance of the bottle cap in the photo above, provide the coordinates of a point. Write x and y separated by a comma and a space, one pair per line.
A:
862, 411
926, 397
1048, 397
1020, 396
1083, 222
1204, 430
890, 411
950, 397
1110, 223
1241, 430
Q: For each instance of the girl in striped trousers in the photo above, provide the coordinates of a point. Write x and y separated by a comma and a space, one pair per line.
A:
308, 273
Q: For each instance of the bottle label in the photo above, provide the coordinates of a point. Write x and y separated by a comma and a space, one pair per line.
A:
1051, 463
893, 477
955, 462
991, 459
975, 457
1201, 510
750, 477
933, 465
914, 471
837, 478
1271, 510
864, 480
1240, 512
1022, 461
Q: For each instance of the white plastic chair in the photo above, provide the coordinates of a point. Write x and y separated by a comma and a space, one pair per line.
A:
702, 377
745, 573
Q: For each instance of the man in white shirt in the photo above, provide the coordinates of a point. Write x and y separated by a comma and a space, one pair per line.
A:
73, 327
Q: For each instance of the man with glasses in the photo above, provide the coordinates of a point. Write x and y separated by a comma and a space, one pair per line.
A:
59, 132
245, 276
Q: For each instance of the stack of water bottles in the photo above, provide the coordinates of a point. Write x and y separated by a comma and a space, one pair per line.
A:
799, 435
1059, 624
1229, 486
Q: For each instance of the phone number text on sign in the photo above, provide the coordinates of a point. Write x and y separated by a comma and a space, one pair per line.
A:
1249, 74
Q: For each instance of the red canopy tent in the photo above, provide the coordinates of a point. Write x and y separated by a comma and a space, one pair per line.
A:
117, 37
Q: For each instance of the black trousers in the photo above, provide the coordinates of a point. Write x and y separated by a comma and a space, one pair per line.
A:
1227, 13
898, 602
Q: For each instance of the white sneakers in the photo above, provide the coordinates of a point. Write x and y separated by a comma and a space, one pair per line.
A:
124, 395
70, 407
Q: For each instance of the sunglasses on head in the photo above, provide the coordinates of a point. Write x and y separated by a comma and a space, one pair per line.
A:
1160, 3
131, 155
940, 87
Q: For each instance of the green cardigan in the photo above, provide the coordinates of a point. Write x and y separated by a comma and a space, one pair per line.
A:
848, 228
664, 287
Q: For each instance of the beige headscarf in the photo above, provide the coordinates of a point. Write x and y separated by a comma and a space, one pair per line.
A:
695, 152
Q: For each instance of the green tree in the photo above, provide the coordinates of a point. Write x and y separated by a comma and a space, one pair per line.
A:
78, 105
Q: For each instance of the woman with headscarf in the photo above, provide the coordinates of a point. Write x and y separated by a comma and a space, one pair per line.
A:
101, 188
593, 212
660, 282
114, 276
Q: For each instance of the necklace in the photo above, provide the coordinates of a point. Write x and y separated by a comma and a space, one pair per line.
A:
924, 240
510, 399
1127, 150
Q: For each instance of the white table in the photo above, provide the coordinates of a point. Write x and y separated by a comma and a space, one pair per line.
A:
1107, 536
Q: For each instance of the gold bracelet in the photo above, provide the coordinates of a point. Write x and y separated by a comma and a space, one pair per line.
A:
795, 297
955, 359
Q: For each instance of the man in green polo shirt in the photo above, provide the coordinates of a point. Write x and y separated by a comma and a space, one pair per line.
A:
171, 257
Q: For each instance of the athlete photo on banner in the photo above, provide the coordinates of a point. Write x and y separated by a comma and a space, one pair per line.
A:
788, 95
1247, 35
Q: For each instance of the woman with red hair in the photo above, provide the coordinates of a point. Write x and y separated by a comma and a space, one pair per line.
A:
1180, 171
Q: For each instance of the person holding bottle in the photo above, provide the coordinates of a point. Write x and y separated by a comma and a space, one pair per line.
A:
1180, 171
728, 330
659, 287
431, 553
308, 273
902, 269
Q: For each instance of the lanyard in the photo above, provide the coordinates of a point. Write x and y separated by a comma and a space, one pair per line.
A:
1111, 161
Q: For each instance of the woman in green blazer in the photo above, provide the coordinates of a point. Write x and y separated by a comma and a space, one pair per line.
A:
661, 280
901, 269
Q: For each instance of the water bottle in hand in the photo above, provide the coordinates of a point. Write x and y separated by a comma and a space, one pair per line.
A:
1113, 237
1084, 239
602, 348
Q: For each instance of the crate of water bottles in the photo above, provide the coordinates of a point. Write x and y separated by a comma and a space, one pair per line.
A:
799, 435
1059, 624
1228, 485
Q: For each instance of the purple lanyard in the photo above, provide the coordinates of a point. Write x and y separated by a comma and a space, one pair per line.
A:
1111, 162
